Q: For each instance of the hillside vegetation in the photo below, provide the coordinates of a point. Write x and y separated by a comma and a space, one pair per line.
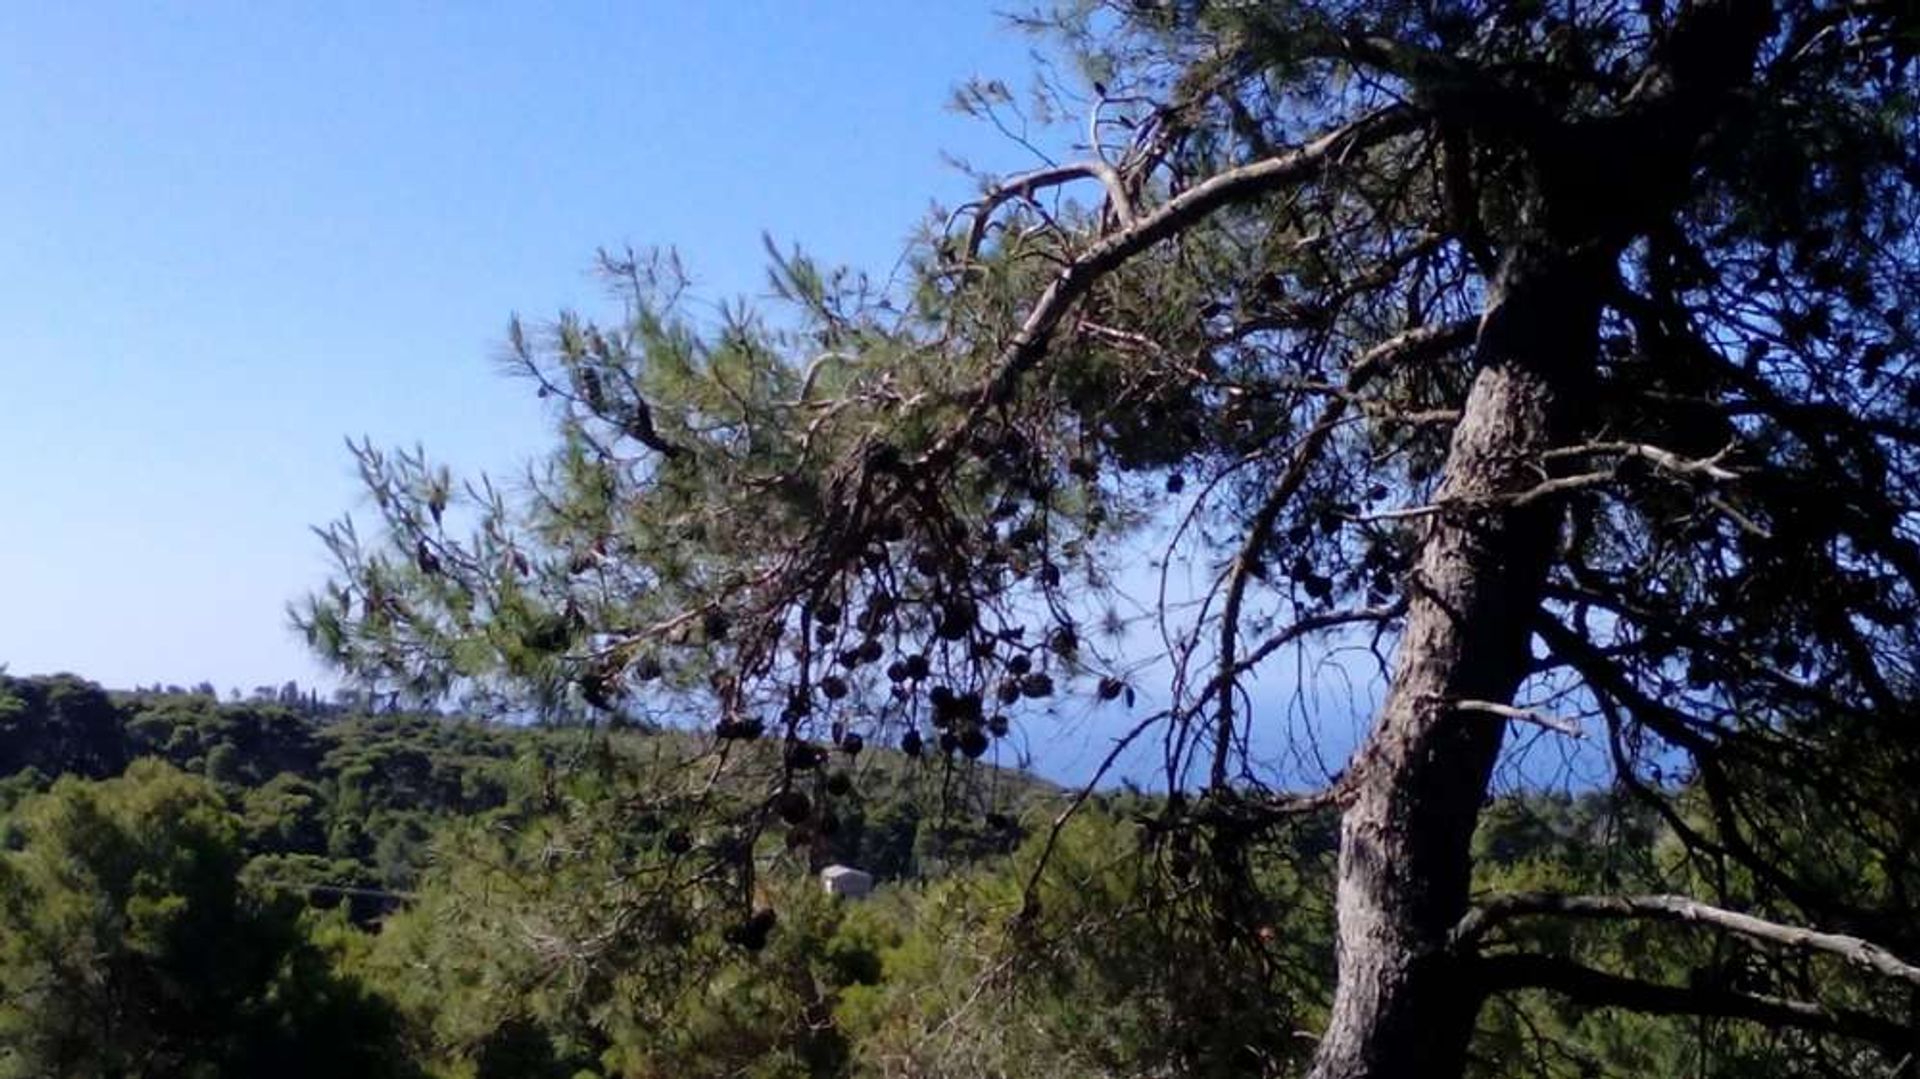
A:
191, 887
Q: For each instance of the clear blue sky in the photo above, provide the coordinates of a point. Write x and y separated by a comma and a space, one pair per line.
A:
233, 233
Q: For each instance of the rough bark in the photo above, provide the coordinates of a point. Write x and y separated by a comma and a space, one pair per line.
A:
1405, 1005
1401, 1008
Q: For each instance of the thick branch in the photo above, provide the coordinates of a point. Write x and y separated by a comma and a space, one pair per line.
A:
1028, 343
1673, 908
1024, 185
1179, 213
1599, 989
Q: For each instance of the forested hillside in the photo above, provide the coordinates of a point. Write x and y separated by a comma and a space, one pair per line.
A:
172, 861
190, 887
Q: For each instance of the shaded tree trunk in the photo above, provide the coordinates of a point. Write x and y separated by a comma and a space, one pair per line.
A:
1403, 1007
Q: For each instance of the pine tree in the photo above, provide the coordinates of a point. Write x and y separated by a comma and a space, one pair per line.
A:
1559, 354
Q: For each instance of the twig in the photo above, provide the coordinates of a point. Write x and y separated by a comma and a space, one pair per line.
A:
1560, 724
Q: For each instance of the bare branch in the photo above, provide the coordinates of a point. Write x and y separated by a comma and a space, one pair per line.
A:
1026, 184
1028, 343
1559, 485
1315, 623
1559, 724
1687, 467
1031, 894
1401, 348
1673, 908
1596, 988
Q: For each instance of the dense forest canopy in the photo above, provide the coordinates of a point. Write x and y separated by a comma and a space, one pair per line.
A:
433, 895
191, 887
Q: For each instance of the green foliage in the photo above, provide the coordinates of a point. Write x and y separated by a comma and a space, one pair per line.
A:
58, 725
584, 937
241, 743
337, 801
129, 948
1101, 970
1599, 843
474, 902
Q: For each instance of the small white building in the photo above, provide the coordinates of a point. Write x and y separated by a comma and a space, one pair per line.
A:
846, 881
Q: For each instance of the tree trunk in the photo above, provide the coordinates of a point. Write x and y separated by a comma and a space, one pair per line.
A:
1402, 1006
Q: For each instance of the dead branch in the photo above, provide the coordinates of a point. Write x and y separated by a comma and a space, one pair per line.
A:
1558, 724
1673, 908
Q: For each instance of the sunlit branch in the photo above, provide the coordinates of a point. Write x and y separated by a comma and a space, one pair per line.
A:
1853, 950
